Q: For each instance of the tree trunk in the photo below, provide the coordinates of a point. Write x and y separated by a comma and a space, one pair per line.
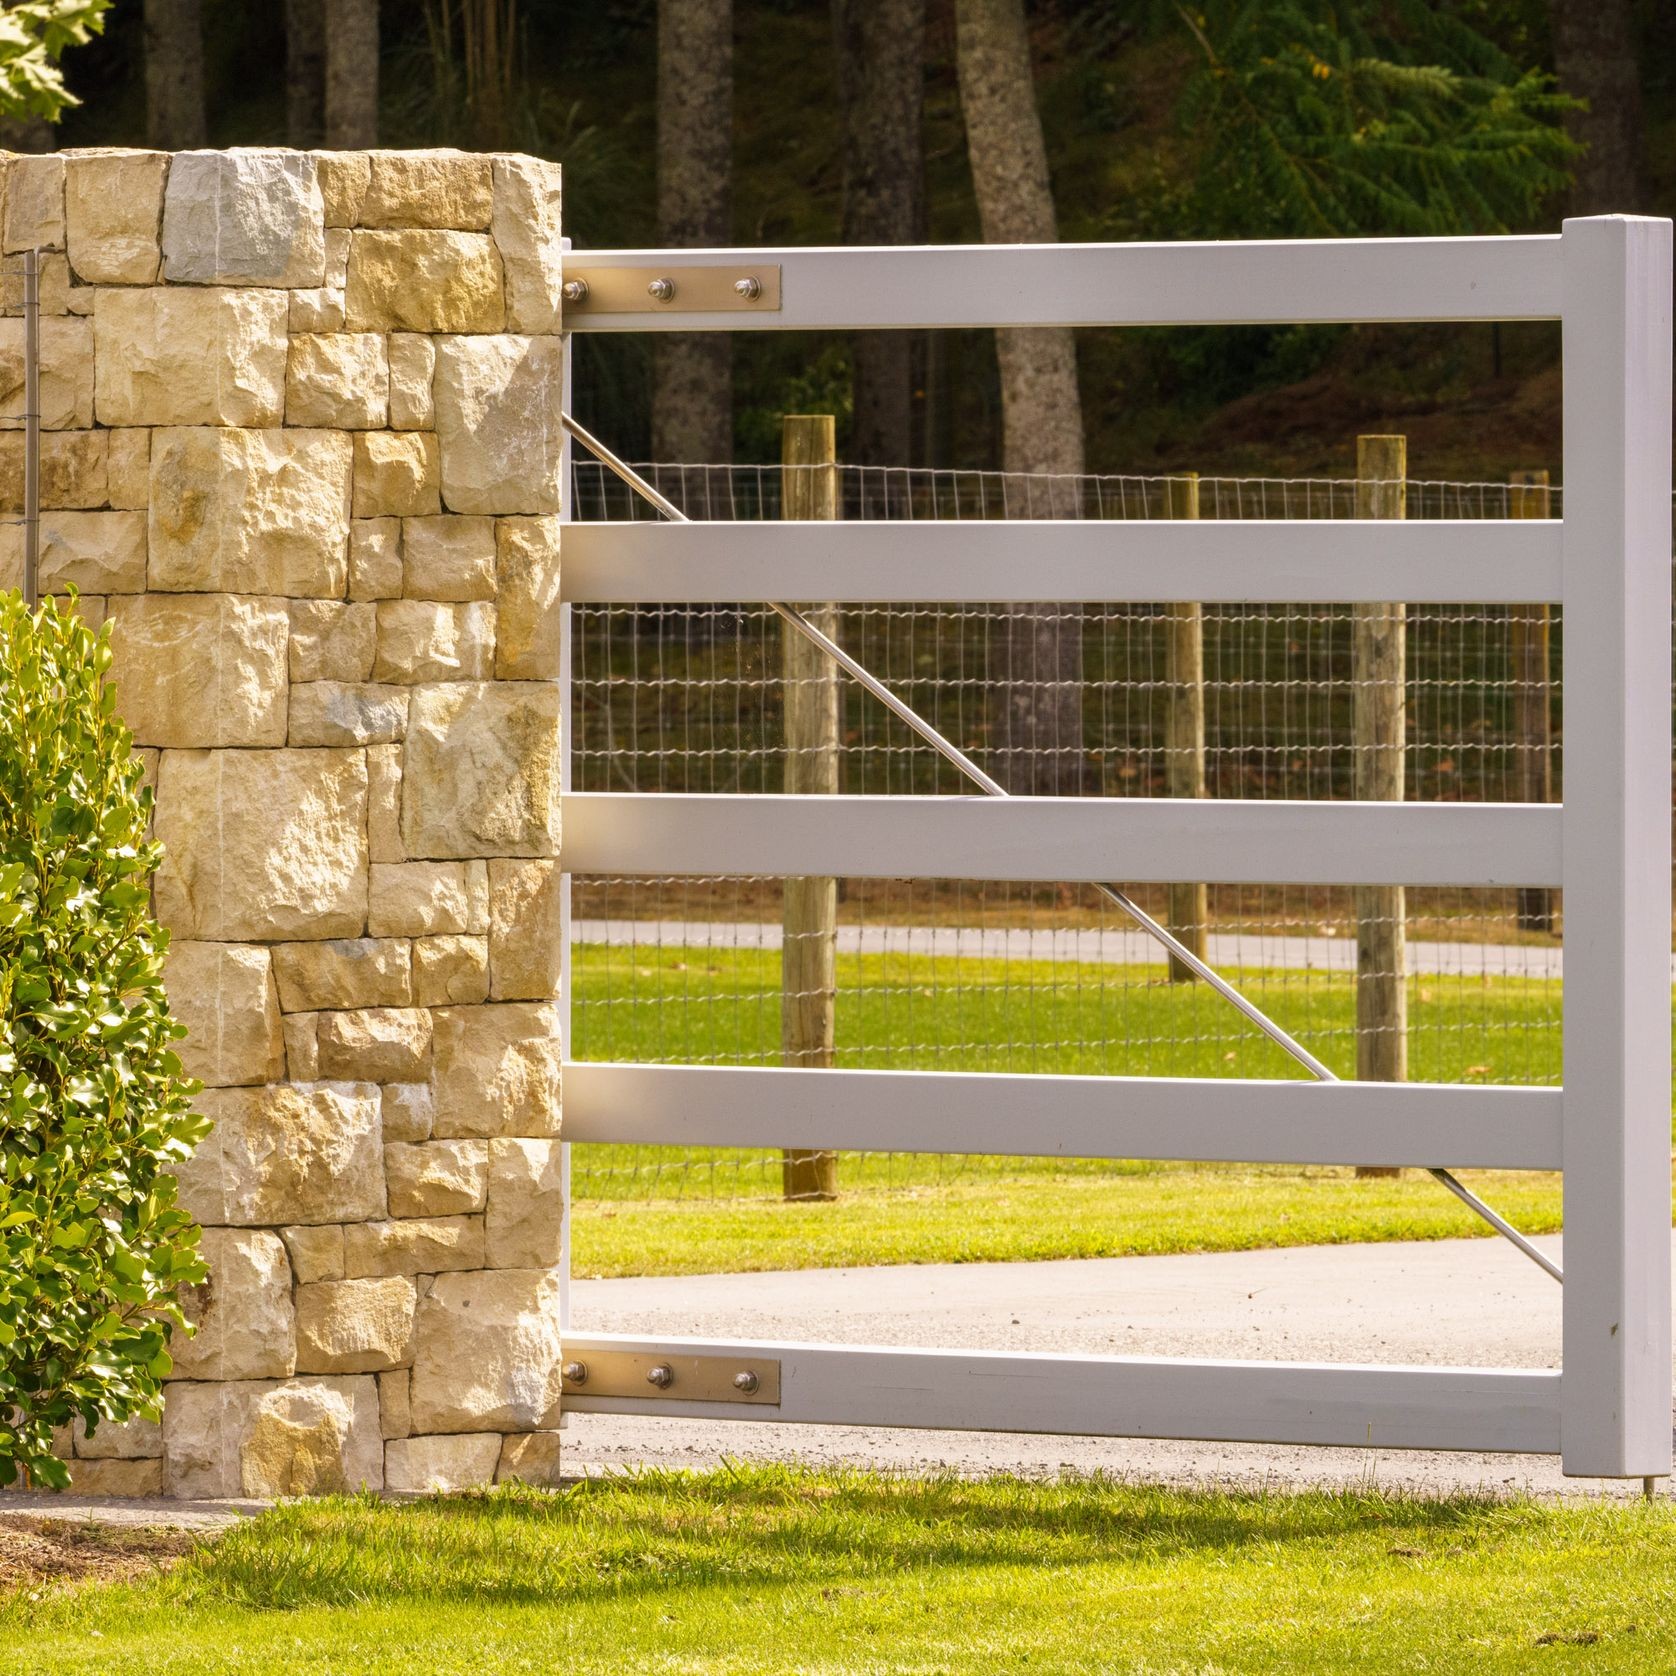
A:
1036, 703
174, 75
351, 74
305, 72
1595, 59
692, 399
881, 93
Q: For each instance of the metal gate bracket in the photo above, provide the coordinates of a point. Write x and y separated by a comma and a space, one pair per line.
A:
730, 289
628, 1373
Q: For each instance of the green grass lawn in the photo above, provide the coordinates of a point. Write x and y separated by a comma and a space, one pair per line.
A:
654, 1210
767, 1571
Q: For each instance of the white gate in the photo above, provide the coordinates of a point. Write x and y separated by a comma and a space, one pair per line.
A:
1607, 1412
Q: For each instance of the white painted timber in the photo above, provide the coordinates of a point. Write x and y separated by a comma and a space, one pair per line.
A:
1347, 1404
1065, 1117
1234, 283
1617, 392
1099, 839
1466, 561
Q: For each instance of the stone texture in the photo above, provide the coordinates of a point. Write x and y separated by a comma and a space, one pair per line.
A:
186, 357
52, 287
438, 188
345, 713
263, 844
287, 1154
127, 1440
250, 512
343, 972
316, 1253
67, 381
531, 1458
112, 204
448, 558
423, 282
117, 1478
424, 640
128, 472
93, 552
34, 202
302, 1046
331, 641
375, 558
407, 1111
355, 1326
243, 217
73, 469
524, 1226
319, 310
425, 1465
199, 669
339, 379
224, 994
376, 1044
425, 898
397, 474
450, 971
394, 1417
526, 229
415, 1245
495, 402
243, 1312
437, 1178
488, 1352
343, 177
525, 934
412, 367
527, 599
495, 1070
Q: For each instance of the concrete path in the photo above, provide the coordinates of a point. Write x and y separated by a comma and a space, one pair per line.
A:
1448, 1302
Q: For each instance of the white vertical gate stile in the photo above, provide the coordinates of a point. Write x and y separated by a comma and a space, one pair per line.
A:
1607, 1410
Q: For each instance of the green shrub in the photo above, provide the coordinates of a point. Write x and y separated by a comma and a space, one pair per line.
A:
96, 1111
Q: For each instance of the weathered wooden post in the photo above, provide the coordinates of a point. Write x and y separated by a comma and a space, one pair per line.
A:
1533, 720
1188, 914
808, 954
1379, 684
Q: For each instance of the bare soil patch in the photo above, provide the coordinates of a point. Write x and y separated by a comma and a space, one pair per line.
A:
41, 1551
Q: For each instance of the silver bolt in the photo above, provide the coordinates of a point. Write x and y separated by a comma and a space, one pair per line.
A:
746, 1382
574, 290
748, 289
662, 1376
661, 290
575, 1373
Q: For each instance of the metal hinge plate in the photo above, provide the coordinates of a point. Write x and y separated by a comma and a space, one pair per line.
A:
730, 289
631, 1373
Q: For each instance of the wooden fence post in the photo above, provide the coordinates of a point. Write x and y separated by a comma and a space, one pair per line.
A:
1188, 914
808, 954
1379, 680
1533, 719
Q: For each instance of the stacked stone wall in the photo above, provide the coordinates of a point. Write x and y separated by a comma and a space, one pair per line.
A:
300, 450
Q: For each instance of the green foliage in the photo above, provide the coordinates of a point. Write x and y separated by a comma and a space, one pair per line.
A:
96, 1110
33, 37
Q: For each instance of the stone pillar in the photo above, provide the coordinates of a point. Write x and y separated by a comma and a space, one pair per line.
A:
302, 451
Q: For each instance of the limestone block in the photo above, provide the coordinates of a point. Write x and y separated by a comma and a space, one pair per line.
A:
316, 1253
34, 202
263, 845
376, 1044
342, 972
437, 1178
331, 641
250, 512
343, 179
67, 382
52, 287
199, 669
524, 1226
375, 558
427, 1465
355, 1326
117, 1478
412, 367
527, 597
495, 401
526, 229
415, 1245
424, 898
424, 282
448, 558
168, 357
440, 188
531, 1458
397, 474
93, 552
73, 469
128, 472
243, 1311
288, 1153
384, 803
407, 1111
337, 258
302, 1046
495, 1070
488, 1352
450, 971
344, 713
224, 994
425, 640
394, 1418
243, 217
319, 310
339, 379
525, 935
112, 204
125, 1440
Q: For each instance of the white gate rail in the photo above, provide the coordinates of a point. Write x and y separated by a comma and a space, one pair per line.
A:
1608, 280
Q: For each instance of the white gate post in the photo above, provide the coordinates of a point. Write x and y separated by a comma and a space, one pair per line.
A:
1615, 1387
